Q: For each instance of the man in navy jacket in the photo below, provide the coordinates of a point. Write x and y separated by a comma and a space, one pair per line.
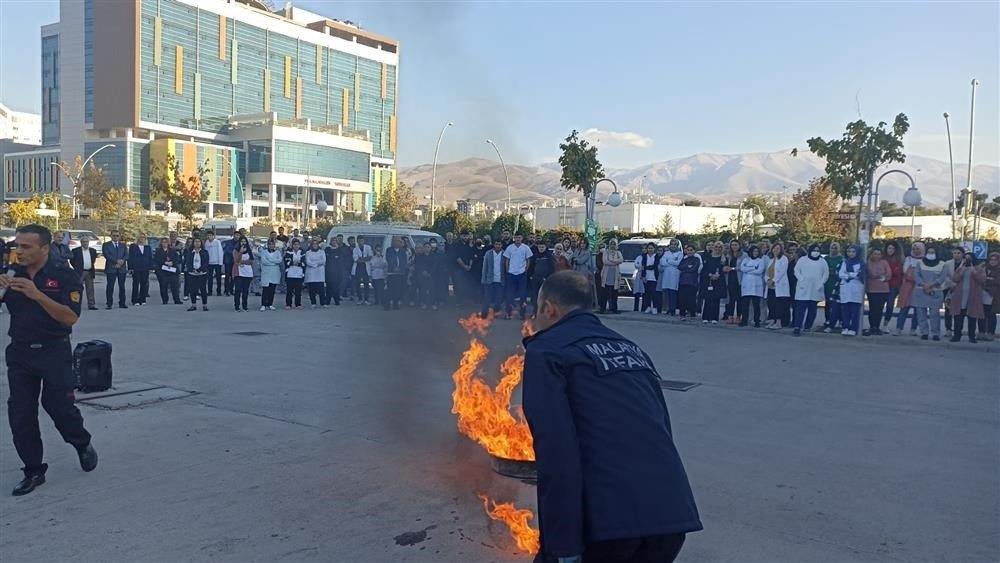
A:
140, 261
115, 267
611, 484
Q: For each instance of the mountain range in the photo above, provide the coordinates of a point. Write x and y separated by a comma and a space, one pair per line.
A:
711, 178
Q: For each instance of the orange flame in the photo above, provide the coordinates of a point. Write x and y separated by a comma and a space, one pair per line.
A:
526, 537
484, 413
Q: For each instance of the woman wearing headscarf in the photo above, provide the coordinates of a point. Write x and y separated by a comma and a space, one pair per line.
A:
751, 286
688, 283
243, 272
731, 272
647, 268
877, 283
991, 294
778, 291
831, 290
894, 258
560, 259
611, 275
852, 290
670, 276
929, 279
270, 273
906, 288
967, 297
713, 285
811, 271
583, 261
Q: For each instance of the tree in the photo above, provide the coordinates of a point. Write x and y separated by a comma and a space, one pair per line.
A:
25, 211
114, 209
666, 226
812, 214
851, 160
182, 195
580, 167
507, 222
710, 227
992, 235
451, 221
395, 203
691, 203
890, 209
93, 188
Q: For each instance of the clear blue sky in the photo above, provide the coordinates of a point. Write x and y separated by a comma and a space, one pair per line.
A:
673, 78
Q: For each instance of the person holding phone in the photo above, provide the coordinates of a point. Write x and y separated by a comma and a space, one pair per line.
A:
967, 297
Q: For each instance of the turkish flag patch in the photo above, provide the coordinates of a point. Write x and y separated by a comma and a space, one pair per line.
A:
52, 284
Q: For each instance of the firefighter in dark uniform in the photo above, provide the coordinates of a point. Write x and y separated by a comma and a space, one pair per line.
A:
43, 298
611, 485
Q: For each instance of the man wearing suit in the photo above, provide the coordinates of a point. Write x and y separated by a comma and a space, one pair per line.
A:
140, 261
115, 268
83, 263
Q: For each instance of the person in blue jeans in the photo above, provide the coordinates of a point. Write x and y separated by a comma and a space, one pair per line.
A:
492, 278
517, 260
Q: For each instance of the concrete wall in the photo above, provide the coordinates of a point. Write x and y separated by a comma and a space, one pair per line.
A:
638, 217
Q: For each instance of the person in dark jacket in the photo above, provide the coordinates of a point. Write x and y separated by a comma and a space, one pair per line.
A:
396, 270
542, 266
606, 491
227, 263
687, 288
196, 272
339, 259
140, 261
167, 261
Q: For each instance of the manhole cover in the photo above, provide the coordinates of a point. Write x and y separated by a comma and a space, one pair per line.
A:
250, 333
671, 385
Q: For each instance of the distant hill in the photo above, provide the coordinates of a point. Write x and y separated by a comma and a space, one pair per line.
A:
713, 178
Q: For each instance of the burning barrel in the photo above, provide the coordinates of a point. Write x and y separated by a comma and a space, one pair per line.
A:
516, 468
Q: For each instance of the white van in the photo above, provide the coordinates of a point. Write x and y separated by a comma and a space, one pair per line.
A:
380, 234
630, 250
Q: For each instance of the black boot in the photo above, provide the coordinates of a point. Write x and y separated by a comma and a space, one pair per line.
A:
28, 484
88, 458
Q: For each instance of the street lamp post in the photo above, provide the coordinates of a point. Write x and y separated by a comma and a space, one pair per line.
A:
972, 123
912, 199
871, 219
321, 205
529, 216
505, 176
77, 180
434, 166
951, 162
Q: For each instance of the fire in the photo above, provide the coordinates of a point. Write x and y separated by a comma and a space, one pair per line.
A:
527, 538
484, 413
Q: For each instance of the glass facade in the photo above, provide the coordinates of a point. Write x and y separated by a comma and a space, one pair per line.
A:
303, 158
209, 68
50, 90
111, 160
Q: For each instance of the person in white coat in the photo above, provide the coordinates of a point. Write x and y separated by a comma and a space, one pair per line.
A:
778, 289
270, 259
670, 276
751, 286
811, 272
315, 260
852, 289
360, 274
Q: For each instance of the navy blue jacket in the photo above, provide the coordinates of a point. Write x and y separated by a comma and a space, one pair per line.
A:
140, 262
607, 465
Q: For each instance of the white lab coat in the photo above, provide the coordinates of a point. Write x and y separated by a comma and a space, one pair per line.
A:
752, 283
781, 286
811, 275
852, 288
670, 275
315, 266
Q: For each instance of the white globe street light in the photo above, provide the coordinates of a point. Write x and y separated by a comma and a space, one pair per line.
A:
615, 199
321, 205
758, 218
912, 199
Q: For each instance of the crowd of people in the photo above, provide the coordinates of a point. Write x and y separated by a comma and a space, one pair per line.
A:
774, 285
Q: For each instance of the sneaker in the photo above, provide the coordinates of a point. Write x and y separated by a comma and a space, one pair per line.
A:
205, 308
703, 321
936, 338
192, 308
185, 297
359, 302
827, 330
756, 325
947, 334
433, 307
326, 306
853, 333
845, 332
312, 306
288, 307
298, 307
797, 332
262, 308
923, 337
368, 302
715, 322
913, 332
271, 307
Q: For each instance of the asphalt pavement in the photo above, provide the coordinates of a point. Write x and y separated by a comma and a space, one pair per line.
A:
328, 436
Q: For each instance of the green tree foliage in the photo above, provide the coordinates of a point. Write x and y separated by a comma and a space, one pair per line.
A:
508, 221
666, 226
395, 203
851, 160
580, 167
451, 221
25, 211
182, 195
482, 226
710, 227
113, 209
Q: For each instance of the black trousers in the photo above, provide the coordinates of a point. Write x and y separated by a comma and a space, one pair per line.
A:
45, 368
959, 321
378, 288
266, 294
294, 292
363, 281
777, 308
876, 308
230, 279
733, 293
332, 288
316, 291
113, 277
395, 285
241, 292
140, 286
195, 286
687, 297
649, 549
170, 283
745, 310
215, 273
